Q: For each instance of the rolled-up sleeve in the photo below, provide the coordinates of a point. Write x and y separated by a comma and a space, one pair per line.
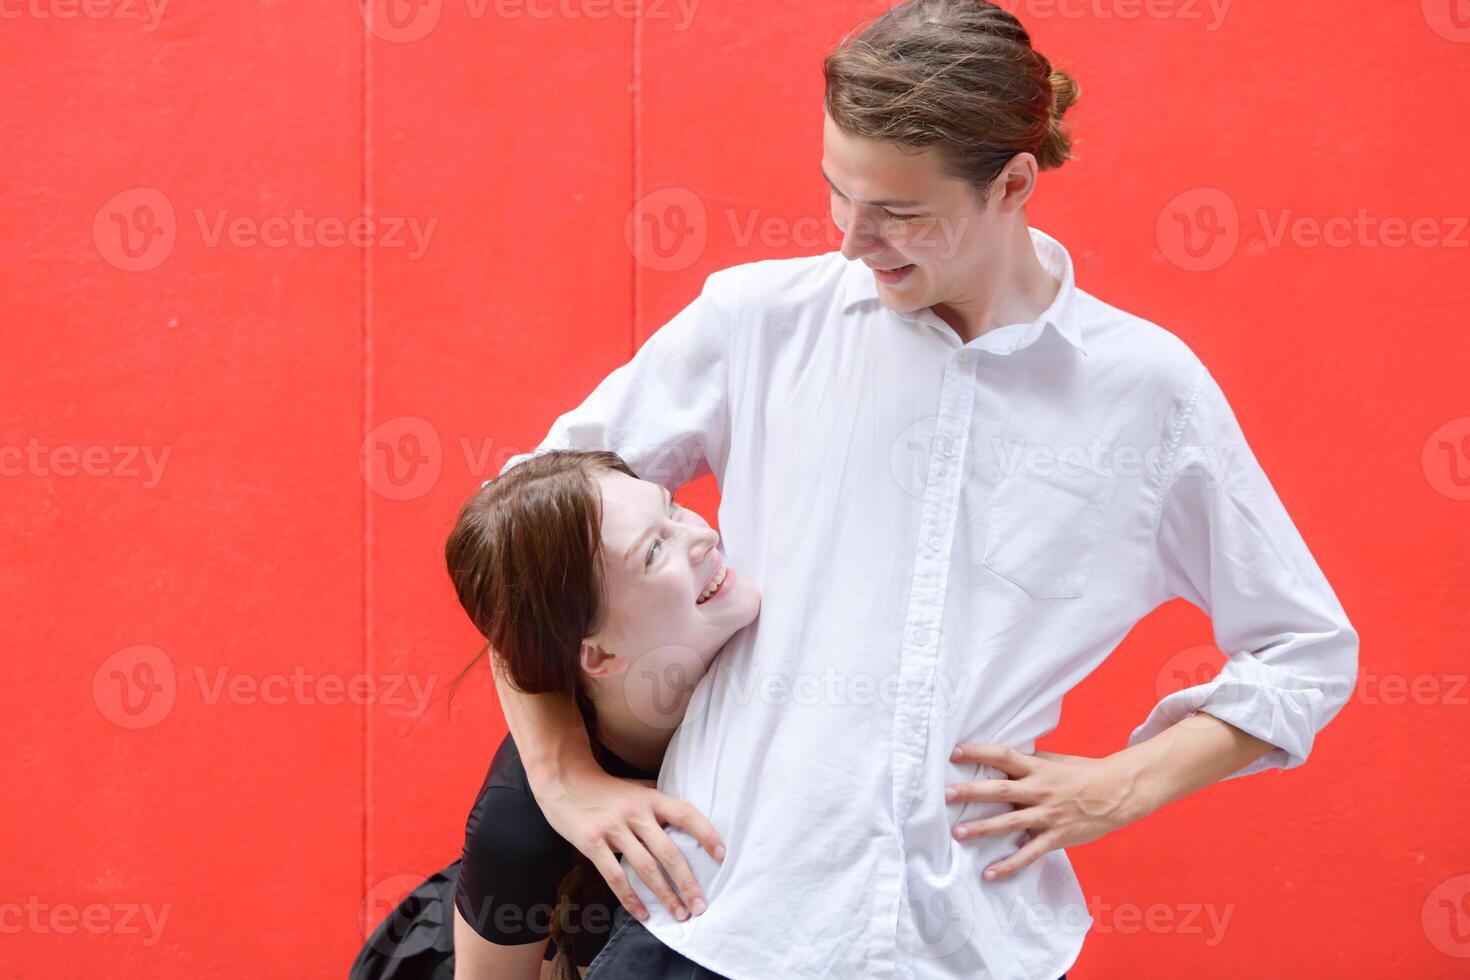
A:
1226, 544
665, 411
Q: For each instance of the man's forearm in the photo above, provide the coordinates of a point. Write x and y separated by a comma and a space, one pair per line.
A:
1189, 755
549, 732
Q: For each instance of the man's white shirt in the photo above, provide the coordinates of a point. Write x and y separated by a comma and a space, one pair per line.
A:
948, 538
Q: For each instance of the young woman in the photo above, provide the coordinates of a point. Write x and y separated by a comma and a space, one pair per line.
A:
590, 583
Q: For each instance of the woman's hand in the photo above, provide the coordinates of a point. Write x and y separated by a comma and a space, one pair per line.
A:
603, 815
1060, 800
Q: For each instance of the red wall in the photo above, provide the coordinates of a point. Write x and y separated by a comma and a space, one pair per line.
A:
190, 641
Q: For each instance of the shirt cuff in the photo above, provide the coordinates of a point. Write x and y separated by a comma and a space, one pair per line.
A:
1271, 702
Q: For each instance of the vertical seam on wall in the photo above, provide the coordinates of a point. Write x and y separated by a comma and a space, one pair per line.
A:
367, 496
637, 162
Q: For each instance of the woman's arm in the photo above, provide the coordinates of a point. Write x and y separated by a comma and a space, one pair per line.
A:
602, 815
477, 958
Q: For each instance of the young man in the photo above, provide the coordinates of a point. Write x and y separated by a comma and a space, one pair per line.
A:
959, 480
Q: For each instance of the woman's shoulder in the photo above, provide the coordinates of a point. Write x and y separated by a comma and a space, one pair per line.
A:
512, 859
506, 814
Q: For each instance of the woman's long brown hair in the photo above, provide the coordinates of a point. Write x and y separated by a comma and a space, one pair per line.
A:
525, 558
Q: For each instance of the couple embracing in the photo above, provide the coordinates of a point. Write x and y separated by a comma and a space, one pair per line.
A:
951, 481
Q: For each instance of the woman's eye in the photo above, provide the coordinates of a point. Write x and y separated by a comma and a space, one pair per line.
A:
674, 510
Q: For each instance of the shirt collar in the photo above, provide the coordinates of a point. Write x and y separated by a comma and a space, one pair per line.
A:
860, 286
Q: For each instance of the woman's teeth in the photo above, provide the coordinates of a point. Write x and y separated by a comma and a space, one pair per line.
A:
714, 586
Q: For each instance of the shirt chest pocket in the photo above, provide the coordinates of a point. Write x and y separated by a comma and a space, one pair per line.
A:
1045, 529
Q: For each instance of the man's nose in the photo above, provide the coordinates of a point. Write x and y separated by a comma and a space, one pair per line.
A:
860, 238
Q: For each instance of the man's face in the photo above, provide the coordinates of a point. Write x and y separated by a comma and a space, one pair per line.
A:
896, 211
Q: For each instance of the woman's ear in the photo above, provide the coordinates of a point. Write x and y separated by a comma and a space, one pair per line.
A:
597, 662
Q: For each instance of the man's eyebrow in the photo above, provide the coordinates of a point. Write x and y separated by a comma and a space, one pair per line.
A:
881, 204
667, 497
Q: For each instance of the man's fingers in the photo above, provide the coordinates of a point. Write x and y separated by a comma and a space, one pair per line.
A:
1006, 823
1002, 757
607, 864
1035, 848
673, 861
643, 863
688, 819
994, 791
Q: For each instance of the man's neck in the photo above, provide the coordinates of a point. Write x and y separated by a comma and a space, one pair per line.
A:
1018, 290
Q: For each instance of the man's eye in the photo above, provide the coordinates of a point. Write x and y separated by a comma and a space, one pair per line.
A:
652, 550
901, 217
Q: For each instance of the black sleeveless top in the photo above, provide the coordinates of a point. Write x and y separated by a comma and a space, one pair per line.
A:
513, 862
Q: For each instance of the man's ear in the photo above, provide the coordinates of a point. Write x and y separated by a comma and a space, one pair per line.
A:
597, 662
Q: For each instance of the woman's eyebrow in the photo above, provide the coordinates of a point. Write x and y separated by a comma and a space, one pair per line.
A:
881, 204
668, 498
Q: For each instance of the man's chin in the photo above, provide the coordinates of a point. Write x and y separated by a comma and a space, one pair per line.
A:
901, 302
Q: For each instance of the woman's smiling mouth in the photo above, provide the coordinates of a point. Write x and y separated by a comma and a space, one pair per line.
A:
716, 586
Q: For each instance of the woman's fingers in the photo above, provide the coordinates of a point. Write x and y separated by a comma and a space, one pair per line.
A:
672, 858
611, 870
637, 855
687, 818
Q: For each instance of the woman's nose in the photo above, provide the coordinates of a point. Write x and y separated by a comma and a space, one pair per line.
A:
703, 539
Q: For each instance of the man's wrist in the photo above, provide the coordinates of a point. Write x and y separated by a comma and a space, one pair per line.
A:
1142, 779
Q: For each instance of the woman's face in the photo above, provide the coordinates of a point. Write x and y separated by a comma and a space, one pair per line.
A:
659, 560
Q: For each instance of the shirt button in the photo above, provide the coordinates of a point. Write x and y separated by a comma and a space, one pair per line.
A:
963, 356
921, 637
934, 543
